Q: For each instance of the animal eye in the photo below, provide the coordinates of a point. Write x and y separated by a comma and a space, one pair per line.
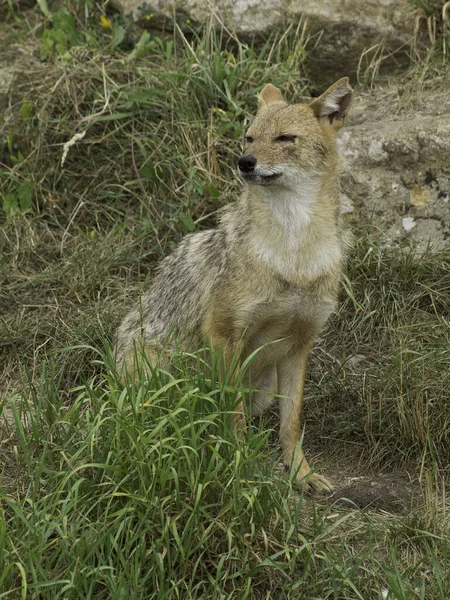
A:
286, 138
248, 139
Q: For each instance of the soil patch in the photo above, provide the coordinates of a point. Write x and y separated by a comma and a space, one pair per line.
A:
391, 492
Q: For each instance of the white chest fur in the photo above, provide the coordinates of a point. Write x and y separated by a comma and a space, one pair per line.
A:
287, 237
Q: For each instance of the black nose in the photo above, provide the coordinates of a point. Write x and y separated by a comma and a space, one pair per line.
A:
247, 163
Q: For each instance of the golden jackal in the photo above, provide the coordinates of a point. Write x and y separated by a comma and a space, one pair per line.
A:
271, 269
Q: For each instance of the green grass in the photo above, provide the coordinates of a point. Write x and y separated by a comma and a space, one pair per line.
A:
143, 492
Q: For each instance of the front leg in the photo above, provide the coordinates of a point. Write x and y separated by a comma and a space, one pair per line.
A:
291, 372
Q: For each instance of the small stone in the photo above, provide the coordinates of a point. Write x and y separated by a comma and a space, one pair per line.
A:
376, 151
419, 196
346, 205
408, 223
356, 359
429, 232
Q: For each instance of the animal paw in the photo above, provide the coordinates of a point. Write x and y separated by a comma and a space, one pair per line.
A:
314, 482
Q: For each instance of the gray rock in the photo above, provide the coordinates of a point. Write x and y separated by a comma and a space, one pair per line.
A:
397, 173
363, 34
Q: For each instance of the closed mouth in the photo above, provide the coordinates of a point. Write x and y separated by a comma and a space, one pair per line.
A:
258, 178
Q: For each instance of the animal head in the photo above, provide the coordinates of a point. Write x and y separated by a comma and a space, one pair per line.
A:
286, 141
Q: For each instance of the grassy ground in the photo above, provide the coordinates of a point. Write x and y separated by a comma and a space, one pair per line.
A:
143, 492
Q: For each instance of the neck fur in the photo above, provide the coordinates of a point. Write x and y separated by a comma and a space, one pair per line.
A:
294, 229
291, 207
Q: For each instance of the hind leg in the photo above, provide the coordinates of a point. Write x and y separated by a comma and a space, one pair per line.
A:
138, 359
263, 391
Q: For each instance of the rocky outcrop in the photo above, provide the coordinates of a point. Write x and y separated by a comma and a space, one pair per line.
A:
397, 171
352, 34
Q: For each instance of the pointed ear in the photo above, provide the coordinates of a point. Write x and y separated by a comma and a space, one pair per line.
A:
334, 104
269, 95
